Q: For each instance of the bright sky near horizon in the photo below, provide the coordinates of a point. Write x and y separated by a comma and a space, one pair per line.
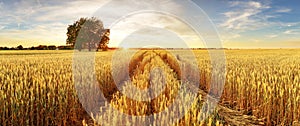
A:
241, 24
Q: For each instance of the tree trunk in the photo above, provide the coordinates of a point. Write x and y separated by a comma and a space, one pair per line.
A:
90, 46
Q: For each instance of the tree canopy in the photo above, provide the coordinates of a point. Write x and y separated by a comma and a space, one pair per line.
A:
88, 33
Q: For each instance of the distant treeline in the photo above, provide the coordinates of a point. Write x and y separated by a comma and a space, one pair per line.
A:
178, 48
67, 47
40, 47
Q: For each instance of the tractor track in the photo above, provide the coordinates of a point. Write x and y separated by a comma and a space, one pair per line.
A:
137, 65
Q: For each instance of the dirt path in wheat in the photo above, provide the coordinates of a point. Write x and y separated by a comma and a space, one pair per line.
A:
172, 63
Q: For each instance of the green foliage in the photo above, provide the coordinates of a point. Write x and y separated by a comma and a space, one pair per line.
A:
87, 33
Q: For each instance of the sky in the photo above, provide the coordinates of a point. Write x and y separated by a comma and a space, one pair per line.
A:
239, 24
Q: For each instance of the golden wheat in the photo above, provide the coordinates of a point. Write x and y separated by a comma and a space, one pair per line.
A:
37, 87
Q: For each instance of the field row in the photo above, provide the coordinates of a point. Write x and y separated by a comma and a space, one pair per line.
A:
42, 88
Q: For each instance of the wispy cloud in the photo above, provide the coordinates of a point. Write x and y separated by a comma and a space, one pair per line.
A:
129, 25
48, 20
1, 5
68, 11
246, 4
226, 36
292, 32
271, 36
41, 20
284, 10
289, 24
245, 16
2, 27
36, 11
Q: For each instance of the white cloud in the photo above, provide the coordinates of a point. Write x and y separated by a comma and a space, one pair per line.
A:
228, 36
2, 27
69, 11
48, 21
271, 36
285, 10
1, 5
42, 21
255, 4
248, 4
38, 2
288, 25
245, 16
38, 11
291, 32
252, 4
126, 27
17, 13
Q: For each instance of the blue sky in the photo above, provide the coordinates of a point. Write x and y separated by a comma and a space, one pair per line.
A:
241, 24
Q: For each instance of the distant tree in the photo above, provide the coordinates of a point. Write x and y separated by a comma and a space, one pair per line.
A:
87, 33
20, 47
13, 48
52, 47
64, 47
41, 47
5, 48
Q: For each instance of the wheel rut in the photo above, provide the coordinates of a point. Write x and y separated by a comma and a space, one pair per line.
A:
137, 66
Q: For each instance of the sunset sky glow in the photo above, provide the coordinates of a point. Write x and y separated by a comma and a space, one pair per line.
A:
240, 24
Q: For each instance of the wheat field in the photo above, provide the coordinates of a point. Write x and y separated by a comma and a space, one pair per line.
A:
262, 87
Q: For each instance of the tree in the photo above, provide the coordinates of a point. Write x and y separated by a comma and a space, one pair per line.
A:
42, 47
52, 47
104, 40
20, 47
88, 33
